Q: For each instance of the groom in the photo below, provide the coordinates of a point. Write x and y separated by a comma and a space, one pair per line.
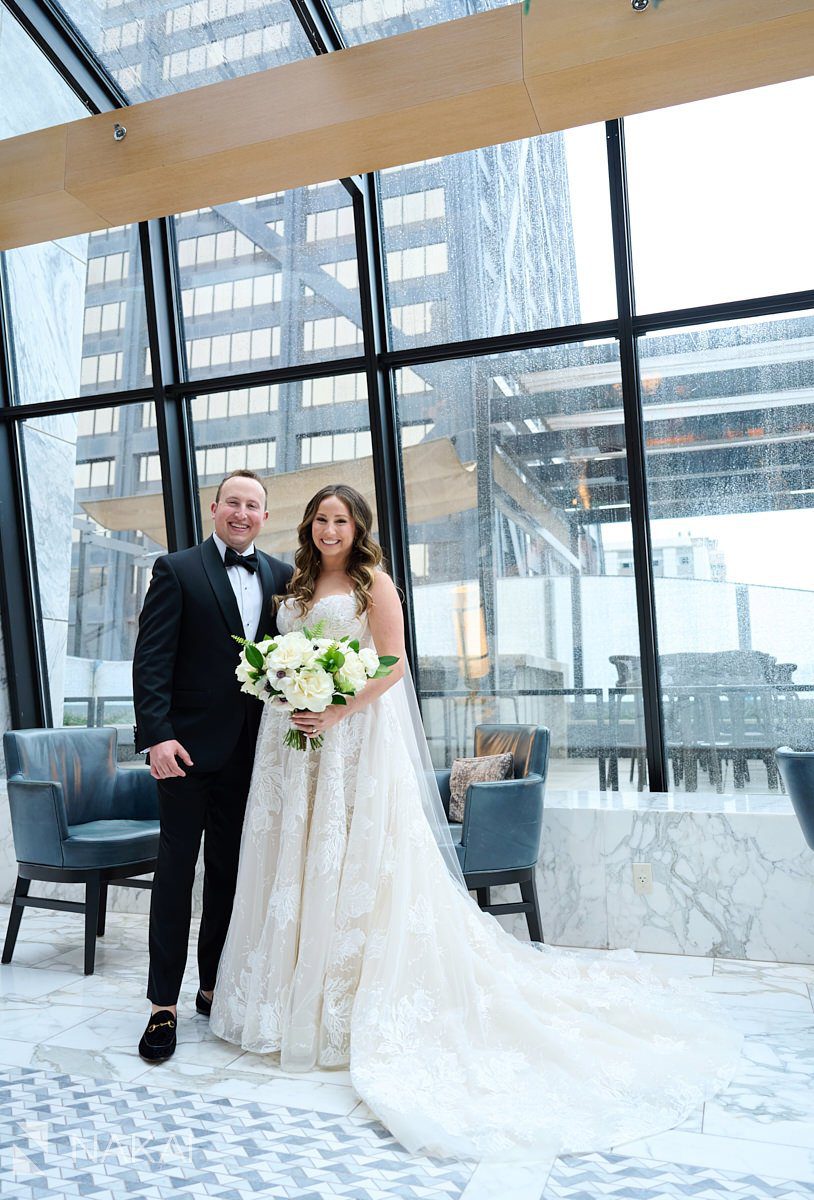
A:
200, 731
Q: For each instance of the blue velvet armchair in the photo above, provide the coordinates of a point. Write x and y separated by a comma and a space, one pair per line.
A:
499, 840
77, 817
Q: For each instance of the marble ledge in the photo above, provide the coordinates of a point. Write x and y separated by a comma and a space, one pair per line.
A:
571, 799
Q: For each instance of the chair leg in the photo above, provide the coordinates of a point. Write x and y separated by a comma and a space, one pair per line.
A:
93, 890
772, 775
100, 924
483, 897
15, 917
528, 890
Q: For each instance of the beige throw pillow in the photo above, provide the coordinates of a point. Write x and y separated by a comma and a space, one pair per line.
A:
487, 769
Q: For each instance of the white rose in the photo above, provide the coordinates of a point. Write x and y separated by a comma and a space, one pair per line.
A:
352, 674
255, 689
369, 660
290, 653
316, 648
243, 671
311, 689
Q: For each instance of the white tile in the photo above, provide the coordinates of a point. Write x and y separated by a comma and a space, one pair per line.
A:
179, 1076
508, 1181
112, 961
753, 991
107, 1030
119, 1031
721, 1123
264, 1065
105, 991
363, 1113
668, 965
43, 1020
100, 1063
774, 972
317, 1097
29, 983
16, 1053
29, 954
725, 1154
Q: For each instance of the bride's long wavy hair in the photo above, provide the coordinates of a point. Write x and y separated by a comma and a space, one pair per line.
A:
365, 555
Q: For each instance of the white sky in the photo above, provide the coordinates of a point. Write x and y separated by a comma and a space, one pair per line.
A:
721, 196
722, 208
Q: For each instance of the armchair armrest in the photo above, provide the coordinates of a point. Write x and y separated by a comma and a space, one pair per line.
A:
503, 823
38, 820
442, 779
135, 794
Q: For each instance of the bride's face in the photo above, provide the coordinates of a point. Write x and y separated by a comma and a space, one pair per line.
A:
333, 530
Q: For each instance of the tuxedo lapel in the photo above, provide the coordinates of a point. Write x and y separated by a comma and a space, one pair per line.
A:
269, 591
219, 581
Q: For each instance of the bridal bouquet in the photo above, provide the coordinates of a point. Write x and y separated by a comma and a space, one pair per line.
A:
306, 672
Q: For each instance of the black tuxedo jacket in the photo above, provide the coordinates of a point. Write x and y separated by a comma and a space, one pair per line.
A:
184, 683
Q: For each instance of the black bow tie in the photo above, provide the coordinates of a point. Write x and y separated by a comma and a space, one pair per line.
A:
233, 559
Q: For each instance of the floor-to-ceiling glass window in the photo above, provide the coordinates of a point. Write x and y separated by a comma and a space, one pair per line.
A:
730, 450
299, 436
521, 576
719, 196
513, 464
270, 281
514, 495
97, 517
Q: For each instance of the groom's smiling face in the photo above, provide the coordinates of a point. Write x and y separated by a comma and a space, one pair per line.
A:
240, 512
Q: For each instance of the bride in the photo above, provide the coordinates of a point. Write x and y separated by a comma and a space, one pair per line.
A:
353, 941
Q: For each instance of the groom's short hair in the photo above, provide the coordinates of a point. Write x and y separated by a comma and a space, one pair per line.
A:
242, 473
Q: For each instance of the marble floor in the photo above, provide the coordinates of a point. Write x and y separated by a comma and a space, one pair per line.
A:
218, 1122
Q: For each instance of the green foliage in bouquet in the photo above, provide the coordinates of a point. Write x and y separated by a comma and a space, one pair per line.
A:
331, 661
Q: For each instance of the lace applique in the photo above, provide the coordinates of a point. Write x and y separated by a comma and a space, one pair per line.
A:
349, 942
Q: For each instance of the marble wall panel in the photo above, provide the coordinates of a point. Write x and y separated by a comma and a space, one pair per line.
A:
55, 635
570, 882
46, 289
730, 885
32, 94
50, 469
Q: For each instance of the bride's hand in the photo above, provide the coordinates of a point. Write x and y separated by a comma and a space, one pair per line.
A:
311, 723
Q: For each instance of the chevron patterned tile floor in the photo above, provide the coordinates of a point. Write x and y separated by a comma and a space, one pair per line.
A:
608, 1176
82, 1116
64, 1136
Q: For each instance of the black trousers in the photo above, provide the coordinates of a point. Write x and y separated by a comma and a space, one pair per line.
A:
211, 805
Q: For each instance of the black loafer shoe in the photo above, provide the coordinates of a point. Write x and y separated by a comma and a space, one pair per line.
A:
203, 1005
158, 1040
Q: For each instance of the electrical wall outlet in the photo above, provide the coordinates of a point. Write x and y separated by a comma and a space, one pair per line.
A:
642, 879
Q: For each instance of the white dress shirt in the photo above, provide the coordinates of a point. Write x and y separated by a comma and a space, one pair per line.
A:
248, 591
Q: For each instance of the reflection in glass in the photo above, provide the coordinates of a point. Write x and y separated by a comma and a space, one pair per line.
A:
98, 525
507, 238
76, 306
369, 20
161, 46
280, 433
730, 456
267, 282
720, 197
512, 496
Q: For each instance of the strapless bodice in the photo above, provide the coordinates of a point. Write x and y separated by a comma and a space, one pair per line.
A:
336, 613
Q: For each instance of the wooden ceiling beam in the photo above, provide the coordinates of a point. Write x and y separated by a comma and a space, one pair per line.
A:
492, 77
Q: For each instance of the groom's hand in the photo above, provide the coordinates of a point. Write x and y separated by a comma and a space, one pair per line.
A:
163, 757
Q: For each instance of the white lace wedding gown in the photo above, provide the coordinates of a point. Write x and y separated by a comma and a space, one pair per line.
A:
350, 943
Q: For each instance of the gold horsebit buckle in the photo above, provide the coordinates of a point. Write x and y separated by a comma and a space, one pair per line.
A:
159, 1025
